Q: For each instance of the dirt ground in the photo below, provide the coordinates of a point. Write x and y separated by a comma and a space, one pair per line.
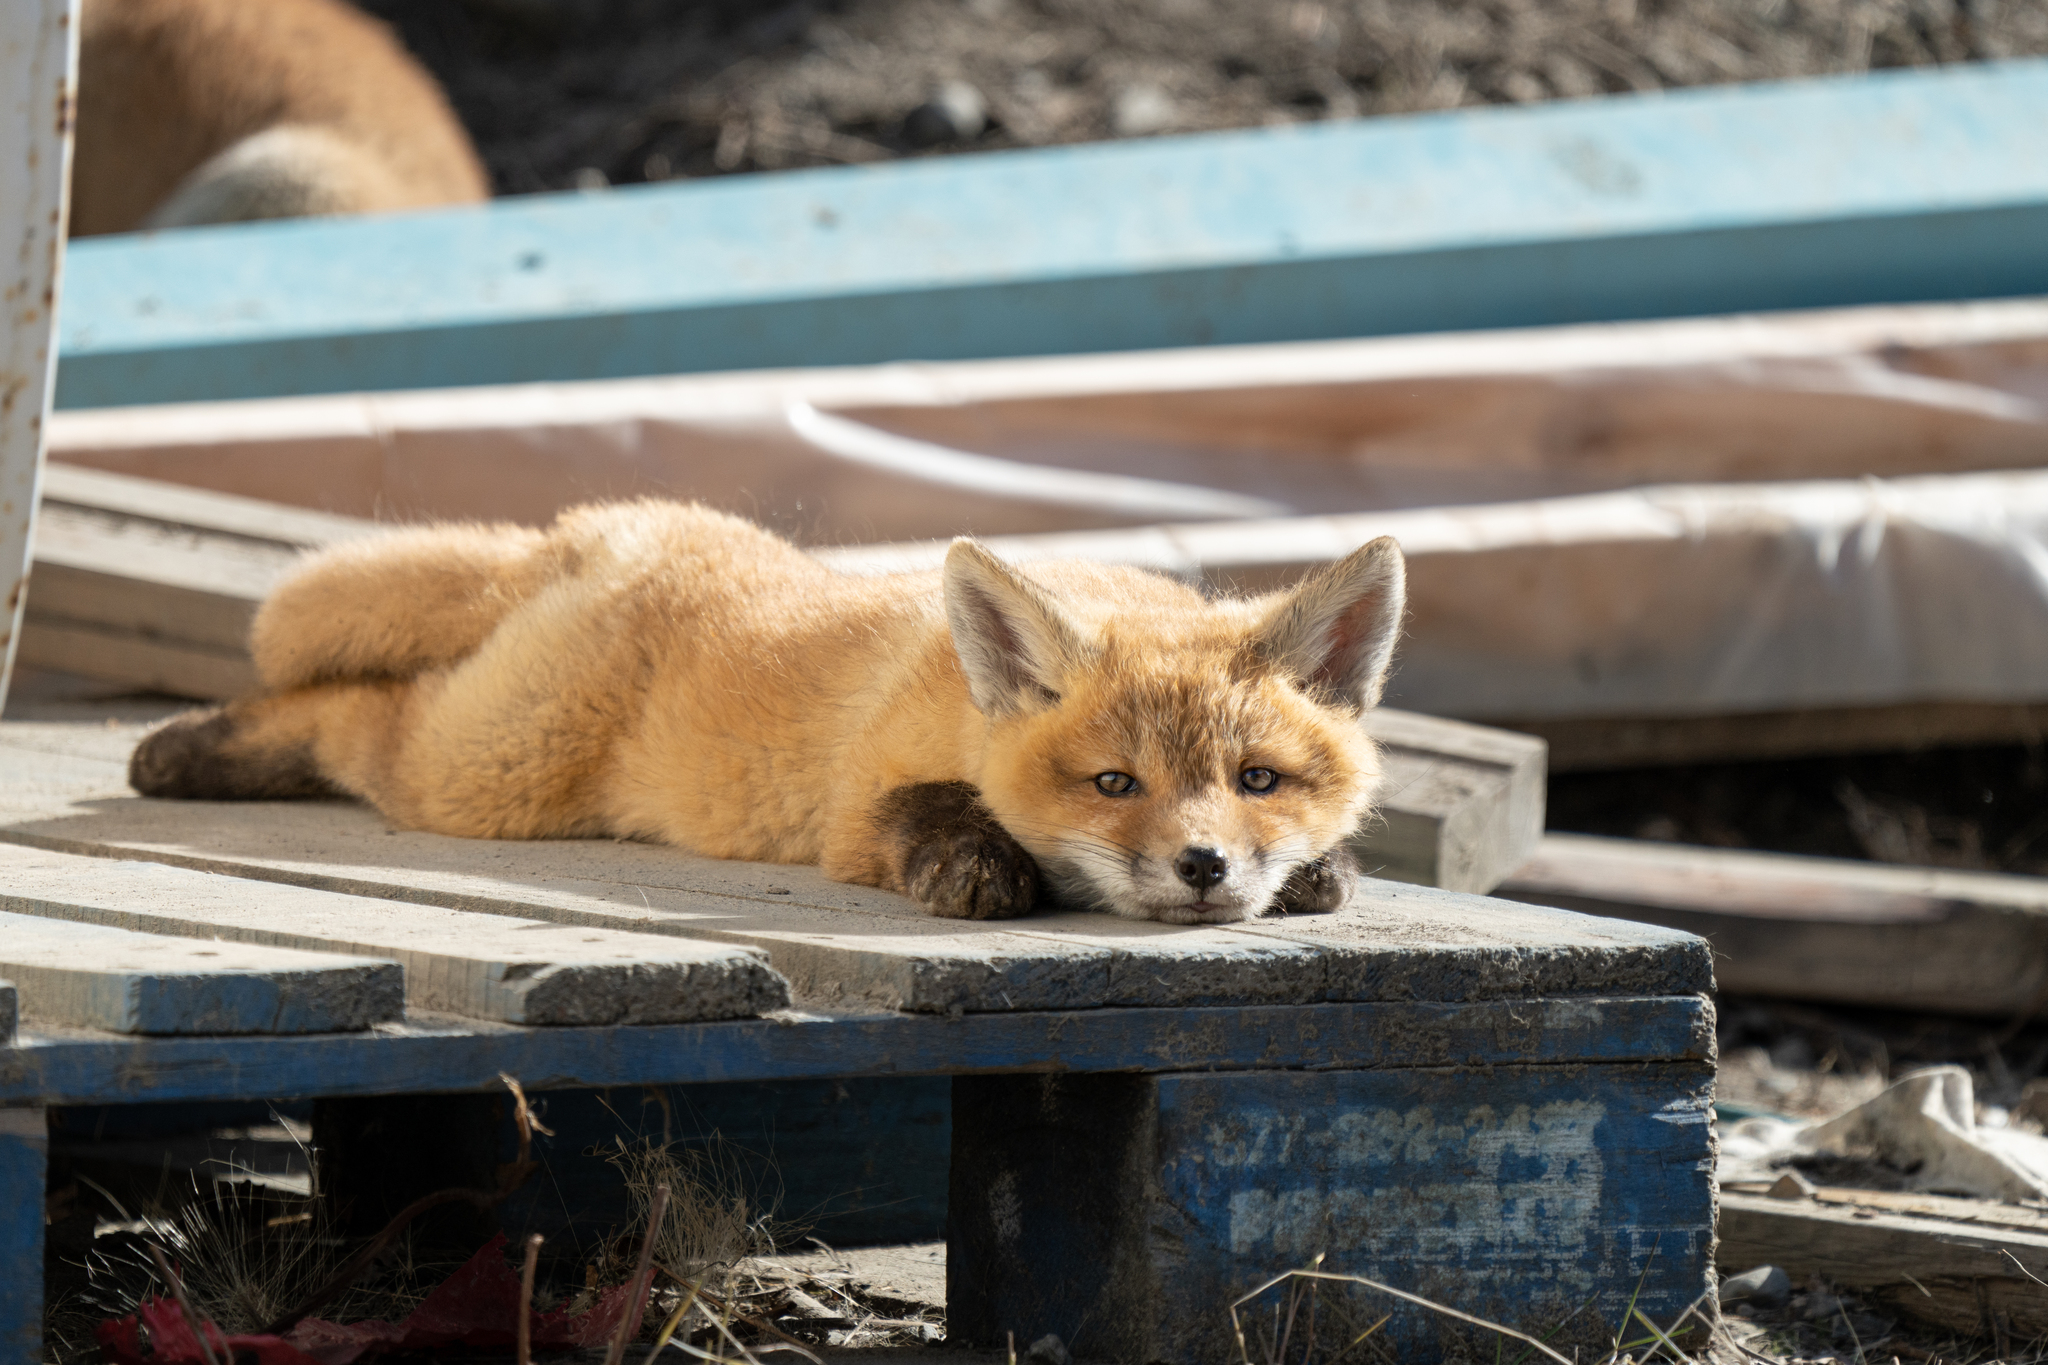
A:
580, 93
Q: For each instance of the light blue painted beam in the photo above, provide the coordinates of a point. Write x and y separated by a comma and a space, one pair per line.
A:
1897, 187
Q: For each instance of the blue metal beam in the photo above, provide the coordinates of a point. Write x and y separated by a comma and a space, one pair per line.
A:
1897, 187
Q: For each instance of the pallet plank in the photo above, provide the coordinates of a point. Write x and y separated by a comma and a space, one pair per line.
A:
503, 968
1463, 804
154, 585
431, 1054
1685, 202
92, 976
1801, 928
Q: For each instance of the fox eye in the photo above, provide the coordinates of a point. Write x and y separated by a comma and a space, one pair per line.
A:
1260, 780
1115, 784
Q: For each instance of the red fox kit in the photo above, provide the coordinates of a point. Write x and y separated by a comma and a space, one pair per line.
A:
974, 737
220, 111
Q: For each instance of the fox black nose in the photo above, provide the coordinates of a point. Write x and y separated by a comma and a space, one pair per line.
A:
1201, 868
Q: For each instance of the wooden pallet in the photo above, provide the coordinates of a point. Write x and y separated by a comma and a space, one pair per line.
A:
1506, 1056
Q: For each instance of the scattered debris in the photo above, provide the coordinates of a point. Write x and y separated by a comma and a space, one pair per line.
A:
1924, 1125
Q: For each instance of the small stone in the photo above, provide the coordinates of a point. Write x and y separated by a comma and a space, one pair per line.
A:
956, 112
590, 178
1141, 109
1765, 1287
1048, 1350
1792, 1185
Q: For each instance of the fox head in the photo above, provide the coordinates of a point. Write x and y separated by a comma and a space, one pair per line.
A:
1168, 757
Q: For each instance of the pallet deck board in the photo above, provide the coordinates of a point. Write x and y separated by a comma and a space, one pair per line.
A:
838, 942
493, 967
125, 981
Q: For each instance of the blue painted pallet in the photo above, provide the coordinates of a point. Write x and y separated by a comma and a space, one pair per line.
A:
1895, 187
1316, 1052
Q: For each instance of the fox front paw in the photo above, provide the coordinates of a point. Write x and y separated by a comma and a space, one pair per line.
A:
1318, 886
953, 858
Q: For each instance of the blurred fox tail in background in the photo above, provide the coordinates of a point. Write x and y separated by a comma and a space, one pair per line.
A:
223, 111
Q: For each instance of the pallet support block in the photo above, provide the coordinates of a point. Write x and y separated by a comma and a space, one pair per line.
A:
1126, 1213
24, 1163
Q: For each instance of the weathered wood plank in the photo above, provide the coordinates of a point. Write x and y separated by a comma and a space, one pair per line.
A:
1682, 203
1463, 804
1818, 928
1955, 1274
176, 505
837, 942
24, 1161
154, 585
1125, 1213
506, 968
429, 1054
92, 976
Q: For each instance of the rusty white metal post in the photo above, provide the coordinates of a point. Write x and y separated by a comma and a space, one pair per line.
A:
38, 94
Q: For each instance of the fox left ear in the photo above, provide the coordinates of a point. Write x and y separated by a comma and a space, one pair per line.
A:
1014, 642
1335, 632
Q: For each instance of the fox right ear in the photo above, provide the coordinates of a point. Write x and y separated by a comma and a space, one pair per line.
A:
1014, 642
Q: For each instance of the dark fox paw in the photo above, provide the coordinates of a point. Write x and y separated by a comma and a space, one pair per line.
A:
1317, 886
954, 858
203, 756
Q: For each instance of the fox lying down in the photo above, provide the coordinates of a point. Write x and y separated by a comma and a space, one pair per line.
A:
983, 738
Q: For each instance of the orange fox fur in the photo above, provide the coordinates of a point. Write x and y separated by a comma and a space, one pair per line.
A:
211, 111
978, 737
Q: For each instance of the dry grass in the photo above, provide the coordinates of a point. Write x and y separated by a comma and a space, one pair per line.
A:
244, 1254
708, 1228
1293, 1319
